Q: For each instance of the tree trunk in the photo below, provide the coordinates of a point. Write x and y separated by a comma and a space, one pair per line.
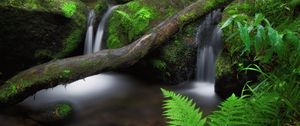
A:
67, 70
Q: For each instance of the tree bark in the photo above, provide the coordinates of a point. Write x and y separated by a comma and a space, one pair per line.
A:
67, 70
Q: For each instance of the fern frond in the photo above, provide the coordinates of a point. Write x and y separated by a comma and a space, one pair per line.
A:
181, 111
260, 110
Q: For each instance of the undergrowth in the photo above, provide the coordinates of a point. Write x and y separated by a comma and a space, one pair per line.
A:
264, 33
134, 20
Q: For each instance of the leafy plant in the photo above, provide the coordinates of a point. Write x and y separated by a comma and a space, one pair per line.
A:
128, 22
260, 110
135, 23
258, 34
181, 111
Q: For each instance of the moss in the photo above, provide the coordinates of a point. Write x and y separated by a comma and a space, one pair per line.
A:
159, 64
63, 110
69, 8
175, 60
32, 4
65, 73
100, 6
12, 88
187, 16
42, 53
70, 43
209, 4
223, 66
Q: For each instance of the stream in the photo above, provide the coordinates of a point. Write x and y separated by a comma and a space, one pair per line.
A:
114, 99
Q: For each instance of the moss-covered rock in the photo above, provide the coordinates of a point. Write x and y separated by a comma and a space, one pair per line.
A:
174, 61
34, 31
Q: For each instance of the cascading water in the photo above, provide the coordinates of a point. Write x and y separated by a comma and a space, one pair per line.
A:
208, 38
101, 28
92, 44
88, 47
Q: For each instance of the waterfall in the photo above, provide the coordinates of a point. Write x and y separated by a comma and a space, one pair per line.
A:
88, 47
208, 38
101, 28
92, 44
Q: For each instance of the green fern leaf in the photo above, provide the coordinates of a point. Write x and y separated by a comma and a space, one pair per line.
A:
259, 110
181, 111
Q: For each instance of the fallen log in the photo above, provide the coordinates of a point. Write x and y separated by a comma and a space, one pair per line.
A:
67, 70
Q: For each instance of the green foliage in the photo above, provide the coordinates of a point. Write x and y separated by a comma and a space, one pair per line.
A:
159, 64
259, 110
294, 3
262, 37
274, 101
69, 8
135, 23
181, 111
132, 22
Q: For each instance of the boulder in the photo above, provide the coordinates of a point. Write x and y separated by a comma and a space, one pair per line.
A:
35, 31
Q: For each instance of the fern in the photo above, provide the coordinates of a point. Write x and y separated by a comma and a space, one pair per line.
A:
135, 23
257, 111
181, 111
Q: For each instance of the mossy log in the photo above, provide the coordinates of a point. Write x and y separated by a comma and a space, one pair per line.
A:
67, 70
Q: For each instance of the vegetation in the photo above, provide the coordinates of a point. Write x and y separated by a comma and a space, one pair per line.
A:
63, 110
69, 8
181, 110
134, 22
270, 39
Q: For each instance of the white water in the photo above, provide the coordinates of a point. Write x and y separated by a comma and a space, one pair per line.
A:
89, 34
208, 38
101, 28
84, 92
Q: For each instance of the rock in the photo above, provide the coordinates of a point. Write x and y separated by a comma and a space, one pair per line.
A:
34, 31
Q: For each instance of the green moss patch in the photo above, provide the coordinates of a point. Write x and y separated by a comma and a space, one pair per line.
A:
63, 110
69, 8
